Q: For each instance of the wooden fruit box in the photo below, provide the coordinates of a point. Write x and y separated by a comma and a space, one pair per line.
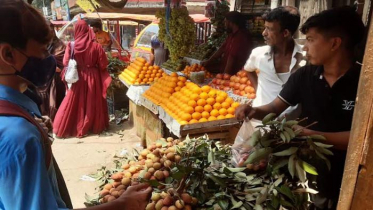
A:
154, 108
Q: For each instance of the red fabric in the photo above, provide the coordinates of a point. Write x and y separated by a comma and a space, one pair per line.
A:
238, 46
84, 108
83, 37
9, 109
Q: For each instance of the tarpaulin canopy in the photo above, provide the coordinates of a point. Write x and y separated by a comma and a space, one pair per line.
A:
198, 18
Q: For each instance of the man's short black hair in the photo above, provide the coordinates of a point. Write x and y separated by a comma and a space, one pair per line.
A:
288, 17
236, 18
96, 24
341, 22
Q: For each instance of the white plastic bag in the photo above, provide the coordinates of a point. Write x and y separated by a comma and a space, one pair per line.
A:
241, 146
71, 75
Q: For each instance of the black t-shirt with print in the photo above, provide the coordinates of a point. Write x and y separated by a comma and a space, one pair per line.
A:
332, 107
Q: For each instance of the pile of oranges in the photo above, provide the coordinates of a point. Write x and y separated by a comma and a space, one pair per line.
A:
139, 72
196, 68
193, 104
163, 88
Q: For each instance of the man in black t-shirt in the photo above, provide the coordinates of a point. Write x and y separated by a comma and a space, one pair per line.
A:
326, 90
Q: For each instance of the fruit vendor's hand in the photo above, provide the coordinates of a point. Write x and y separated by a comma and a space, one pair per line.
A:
303, 131
244, 112
136, 197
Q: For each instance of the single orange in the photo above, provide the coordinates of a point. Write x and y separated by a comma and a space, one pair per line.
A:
210, 101
193, 121
182, 79
221, 117
206, 88
203, 120
235, 104
217, 106
173, 74
229, 100
192, 103
225, 105
206, 114
223, 94
183, 122
212, 93
207, 108
229, 116
223, 111
231, 110
186, 117
199, 109
189, 109
220, 99
203, 95
214, 113
201, 102
211, 118
196, 115
194, 97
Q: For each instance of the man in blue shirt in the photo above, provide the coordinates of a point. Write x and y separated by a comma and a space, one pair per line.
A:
27, 173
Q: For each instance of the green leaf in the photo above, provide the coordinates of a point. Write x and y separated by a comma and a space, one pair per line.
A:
291, 123
178, 175
282, 136
258, 155
262, 197
325, 151
273, 122
290, 132
268, 118
153, 183
291, 165
223, 204
287, 136
286, 203
258, 207
282, 124
285, 190
300, 172
286, 152
241, 175
211, 157
235, 170
236, 204
254, 139
278, 181
279, 164
275, 202
318, 137
216, 180
327, 162
323, 145
309, 168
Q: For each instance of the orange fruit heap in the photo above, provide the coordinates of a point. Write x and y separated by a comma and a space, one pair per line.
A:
196, 68
139, 73
163, 88
193, 104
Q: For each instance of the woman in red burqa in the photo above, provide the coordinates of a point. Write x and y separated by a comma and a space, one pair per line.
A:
84, 108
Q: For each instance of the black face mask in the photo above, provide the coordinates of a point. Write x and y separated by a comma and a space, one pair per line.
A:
38, 72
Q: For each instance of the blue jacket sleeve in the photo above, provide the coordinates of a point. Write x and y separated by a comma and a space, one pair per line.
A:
24, 179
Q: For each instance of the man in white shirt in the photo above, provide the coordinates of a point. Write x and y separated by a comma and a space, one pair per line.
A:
278, 59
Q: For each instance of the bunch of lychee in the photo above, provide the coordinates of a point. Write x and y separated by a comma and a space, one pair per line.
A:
154, 163
171, 200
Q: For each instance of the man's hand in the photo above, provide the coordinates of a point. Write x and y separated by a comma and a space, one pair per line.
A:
42, 124
244, 111
136, 197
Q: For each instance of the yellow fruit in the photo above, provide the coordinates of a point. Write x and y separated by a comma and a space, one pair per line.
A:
196, 115
192, 104
220, 99
235, 104
223, 111
206, 89
186, 117
229, 116
210, 101
229, 101
212, 118
203, 120
189, 109
193, 121
201, 102
225, 105
206, 114
231, 110
203, 95
217, 106
194, 97
212, 93
221, 117
214, 113
207, 108
199, 109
